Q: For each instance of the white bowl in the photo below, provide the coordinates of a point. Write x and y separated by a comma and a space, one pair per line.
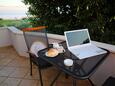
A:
68, 62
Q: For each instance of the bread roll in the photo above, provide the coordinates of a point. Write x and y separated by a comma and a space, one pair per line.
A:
52, 52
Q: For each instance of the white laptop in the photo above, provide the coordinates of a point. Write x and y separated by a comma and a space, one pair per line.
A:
79, 43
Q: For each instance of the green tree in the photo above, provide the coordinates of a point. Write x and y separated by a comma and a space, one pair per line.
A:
60, 15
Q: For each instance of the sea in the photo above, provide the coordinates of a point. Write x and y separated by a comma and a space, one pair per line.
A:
13, 12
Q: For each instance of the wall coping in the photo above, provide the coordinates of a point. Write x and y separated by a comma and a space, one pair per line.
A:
15, 30
110, 47
2, 28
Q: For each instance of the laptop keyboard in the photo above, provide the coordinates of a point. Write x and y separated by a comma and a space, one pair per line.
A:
85, 51
86, 48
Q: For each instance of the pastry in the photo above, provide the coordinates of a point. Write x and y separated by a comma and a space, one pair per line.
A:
52, 52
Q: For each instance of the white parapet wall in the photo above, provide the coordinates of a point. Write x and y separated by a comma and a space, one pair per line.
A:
4, 37
13, 36
18, 42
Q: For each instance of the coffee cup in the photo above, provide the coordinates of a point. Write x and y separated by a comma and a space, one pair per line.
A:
68, 62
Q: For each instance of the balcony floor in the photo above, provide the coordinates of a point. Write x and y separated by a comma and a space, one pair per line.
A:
14, 71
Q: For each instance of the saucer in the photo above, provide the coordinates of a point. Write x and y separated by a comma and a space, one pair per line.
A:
52, 55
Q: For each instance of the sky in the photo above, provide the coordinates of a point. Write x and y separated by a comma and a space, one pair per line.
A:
11, 3
12, 9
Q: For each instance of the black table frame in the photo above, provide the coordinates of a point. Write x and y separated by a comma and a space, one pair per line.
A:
58, 63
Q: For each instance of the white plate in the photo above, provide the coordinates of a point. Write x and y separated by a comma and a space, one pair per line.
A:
51, 56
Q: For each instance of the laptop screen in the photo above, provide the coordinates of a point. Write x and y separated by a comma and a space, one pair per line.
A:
77, 37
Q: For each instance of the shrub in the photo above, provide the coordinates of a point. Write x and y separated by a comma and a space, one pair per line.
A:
60, 15
1, 19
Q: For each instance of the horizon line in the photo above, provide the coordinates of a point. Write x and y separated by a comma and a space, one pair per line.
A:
14, 6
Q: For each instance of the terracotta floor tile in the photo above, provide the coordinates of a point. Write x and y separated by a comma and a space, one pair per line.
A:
83, 83
6, 71
2, 79
46, 83
19, 63
5, 61
10, 82
19, 72
63, 83
35, 74
63, 78
49, 73
15, 63
1, 67
27, 82
2, 56
78, 83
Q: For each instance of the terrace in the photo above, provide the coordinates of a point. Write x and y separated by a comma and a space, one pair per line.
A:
14, 62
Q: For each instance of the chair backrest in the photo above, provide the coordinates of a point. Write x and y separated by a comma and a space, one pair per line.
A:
37, 34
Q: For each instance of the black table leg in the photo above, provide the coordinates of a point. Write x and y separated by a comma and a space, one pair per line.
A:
55, 78
66, 76
40, 75
30, 66
74, 82
91, 82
